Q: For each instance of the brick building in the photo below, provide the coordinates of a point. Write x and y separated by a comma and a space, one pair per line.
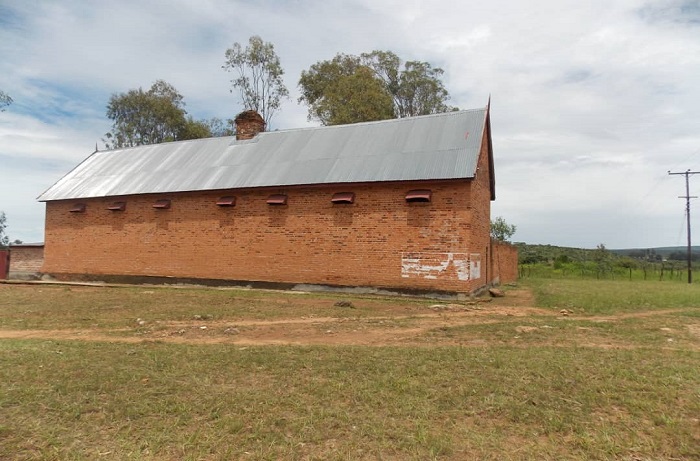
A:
26, 260
398, 204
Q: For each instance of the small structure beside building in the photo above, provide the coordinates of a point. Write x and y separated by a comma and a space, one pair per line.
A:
26, 260
398, 204
4, 263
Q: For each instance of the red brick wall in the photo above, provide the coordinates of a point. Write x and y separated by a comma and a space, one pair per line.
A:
28, 259
4, 264
379, 240
505, 262
481, 192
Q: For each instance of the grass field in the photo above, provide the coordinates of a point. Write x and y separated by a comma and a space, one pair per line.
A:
584, 370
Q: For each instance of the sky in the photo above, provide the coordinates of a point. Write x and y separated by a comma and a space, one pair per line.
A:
592, 103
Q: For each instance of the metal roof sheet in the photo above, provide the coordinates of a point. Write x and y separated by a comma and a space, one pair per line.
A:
440, 146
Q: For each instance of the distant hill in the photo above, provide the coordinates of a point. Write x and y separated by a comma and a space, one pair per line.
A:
528, 253
663, 251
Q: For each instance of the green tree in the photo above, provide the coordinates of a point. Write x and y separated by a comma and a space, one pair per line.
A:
344, 90
219, 127
417, 89
194, 129
603, 259
146, 117
5, 100
207, 128
372, 86
627, 263
501, 230
4, 239
259, 76
683, 256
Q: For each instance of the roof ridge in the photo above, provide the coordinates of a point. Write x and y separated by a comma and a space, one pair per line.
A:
376, 122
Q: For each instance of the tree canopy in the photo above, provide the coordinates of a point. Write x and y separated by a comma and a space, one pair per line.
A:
218, 127
372, 86
5, 100
4, 239
344, 90
154, 116
683, 256
146, 117
259, 76
501, 230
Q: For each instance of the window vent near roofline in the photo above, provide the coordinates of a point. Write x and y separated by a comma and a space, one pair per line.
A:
117, 206
419, 195
277, 199
78, 208
343, 197
228, 200
162, 204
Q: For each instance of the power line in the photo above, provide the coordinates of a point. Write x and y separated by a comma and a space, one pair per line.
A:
687, 198
685, 160
643, 201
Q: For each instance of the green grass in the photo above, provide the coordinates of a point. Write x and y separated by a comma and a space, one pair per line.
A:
72, 400
610, 296
673, 271
664, 332
51, 306
604, 383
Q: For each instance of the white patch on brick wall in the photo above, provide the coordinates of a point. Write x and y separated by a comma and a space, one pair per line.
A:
475, 266
436, 265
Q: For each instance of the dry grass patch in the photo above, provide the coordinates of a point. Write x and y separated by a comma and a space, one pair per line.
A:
495, 383
77, 400
56, 307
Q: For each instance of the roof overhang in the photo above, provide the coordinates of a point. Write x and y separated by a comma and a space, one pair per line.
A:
487, 133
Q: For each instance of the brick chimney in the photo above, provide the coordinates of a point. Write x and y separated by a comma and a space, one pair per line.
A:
248, 124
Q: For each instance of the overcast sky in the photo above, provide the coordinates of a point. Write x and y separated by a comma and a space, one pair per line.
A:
592, 103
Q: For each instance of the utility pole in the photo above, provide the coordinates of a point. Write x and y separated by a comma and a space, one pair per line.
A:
687, 198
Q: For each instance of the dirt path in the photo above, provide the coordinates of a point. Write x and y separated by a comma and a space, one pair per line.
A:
387, 328
375, 331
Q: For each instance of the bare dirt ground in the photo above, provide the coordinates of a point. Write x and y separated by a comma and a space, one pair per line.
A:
393, 324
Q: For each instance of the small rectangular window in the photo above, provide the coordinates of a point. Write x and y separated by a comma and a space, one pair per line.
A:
162, 204
277, 199
419, 195
78, 208
343, 197
117, 206
229, 200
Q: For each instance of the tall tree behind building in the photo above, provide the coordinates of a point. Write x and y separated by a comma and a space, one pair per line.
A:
154, 116
501, 230
344, 90
387, 88
4, 239
259, 76
145, 117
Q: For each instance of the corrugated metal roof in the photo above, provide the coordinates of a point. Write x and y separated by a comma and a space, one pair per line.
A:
440, 146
